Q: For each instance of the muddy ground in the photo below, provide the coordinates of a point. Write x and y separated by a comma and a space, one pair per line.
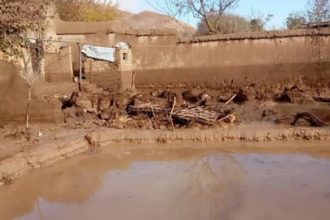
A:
98, 117
175, 108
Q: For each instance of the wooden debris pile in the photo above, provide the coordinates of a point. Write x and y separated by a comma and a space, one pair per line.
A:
183, 116
198, 114
146, 108
196, 108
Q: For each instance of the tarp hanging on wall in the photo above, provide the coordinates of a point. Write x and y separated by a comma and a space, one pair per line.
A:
100, 53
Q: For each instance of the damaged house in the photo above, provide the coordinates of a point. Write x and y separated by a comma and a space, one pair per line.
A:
112, 56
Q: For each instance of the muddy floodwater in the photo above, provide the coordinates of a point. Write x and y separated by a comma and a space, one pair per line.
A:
186, 182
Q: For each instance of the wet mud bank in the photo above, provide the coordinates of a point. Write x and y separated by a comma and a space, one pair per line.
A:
242, 134
41, 155
52, 151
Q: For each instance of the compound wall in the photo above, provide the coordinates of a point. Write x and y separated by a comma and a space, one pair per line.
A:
281, 57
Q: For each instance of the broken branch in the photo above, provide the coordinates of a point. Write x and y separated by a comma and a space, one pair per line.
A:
231, 99
316, 122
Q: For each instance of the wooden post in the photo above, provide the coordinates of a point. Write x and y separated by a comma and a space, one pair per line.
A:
80, 67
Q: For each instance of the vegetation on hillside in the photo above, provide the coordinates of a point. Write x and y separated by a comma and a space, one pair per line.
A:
86, 10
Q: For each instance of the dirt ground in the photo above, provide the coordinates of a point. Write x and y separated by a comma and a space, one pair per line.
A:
174, 108
161, 115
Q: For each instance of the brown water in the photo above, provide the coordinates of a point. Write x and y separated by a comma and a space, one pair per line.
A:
234, 183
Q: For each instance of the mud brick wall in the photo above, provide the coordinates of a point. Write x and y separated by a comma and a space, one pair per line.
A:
102, 73
265, 58
58, 66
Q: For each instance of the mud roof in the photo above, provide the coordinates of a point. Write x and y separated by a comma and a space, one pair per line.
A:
258, 35
322, 24
77, 28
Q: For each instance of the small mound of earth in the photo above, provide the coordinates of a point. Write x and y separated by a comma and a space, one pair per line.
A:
293, 95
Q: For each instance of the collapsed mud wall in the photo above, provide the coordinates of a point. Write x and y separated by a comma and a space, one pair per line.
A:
213, 63
13, 97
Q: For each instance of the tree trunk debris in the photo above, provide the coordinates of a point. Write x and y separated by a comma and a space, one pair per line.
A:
321, 99
312, 119
27, 115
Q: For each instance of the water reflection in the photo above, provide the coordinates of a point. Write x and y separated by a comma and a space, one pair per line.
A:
185, 183
213, 187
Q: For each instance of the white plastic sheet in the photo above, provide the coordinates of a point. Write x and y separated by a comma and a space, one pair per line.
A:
100, 53
122, 45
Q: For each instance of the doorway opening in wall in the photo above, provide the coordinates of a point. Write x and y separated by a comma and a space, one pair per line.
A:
76, 71
125, 56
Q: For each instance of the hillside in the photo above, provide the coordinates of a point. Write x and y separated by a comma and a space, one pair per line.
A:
151, 20
143, 22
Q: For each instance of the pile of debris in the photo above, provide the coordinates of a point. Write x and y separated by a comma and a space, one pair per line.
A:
164, 109
293, 94
157, 110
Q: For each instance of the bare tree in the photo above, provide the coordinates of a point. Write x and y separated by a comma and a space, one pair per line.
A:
17, 19
295, 20
229, 23
318, 10
259, 22
204, 10
32, 54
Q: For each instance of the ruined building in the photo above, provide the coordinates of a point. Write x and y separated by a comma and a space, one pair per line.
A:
161, 58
